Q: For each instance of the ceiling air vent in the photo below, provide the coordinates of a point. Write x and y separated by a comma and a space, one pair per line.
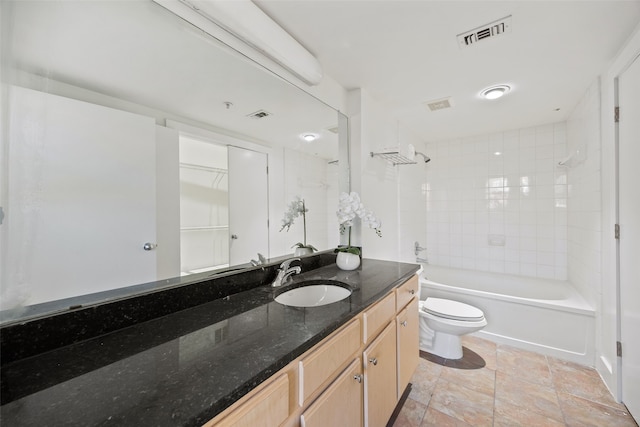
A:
439, 104
260, 114
491, 30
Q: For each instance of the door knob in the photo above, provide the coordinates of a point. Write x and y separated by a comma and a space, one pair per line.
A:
358, 378
149, 246
374, 361
404, 323
234, 236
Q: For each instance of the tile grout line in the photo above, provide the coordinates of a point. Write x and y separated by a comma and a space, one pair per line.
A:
555, 391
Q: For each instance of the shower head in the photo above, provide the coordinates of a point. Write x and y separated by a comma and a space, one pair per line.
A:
426, 159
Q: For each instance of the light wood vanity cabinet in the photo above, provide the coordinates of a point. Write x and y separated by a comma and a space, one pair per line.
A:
375, 318
341, 403
269, 406
322, 363
408, 336
406, 292
380, 373
354, 377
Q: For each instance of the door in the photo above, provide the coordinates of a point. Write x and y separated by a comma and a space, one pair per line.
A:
81, 198
629, 244
248, 205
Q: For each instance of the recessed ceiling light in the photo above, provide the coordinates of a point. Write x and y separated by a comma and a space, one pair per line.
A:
309, 137
495, 92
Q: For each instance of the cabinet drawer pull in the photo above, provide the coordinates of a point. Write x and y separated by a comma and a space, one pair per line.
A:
404, 323
412, 291
374, 361
358, 378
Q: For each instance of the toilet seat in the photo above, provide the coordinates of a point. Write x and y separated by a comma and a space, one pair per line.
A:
452, 310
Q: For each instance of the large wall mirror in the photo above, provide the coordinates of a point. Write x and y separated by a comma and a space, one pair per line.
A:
138, 149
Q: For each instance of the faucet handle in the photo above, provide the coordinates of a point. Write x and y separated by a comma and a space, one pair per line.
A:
285, 264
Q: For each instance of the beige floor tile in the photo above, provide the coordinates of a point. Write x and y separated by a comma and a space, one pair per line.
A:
434, 418
502, 386
581, 412
508, 415
424, 380
524, 364
581, 381
537, 398
411, 414
462, 403
486, 349
482, 380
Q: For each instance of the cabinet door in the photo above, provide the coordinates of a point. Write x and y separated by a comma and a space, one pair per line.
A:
341, 403
380, 378
408, 337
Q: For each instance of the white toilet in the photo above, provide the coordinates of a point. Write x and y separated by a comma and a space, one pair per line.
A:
443, 322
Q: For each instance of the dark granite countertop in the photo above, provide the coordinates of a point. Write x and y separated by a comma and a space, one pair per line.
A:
184, 368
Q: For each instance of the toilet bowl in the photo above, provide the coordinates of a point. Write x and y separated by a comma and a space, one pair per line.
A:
443, 322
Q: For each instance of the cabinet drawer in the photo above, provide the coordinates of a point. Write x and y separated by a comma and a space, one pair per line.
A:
341, 403
269, 406
405, 292
323, 364
377, 317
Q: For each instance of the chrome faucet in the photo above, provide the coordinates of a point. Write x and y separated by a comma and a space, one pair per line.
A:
284, 272
261, 260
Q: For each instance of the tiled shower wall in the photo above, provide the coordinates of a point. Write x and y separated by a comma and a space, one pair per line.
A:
584, 232
498, 202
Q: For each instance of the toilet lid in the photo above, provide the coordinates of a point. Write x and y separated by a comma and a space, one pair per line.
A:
453, 310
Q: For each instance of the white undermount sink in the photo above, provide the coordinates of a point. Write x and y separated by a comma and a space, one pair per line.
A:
313, 295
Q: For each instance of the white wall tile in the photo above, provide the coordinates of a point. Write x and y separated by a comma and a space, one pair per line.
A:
519, 195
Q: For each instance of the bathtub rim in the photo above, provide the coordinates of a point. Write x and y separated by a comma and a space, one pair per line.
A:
575, 304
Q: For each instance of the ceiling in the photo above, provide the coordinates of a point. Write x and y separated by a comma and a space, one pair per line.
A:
406, 53
139, 52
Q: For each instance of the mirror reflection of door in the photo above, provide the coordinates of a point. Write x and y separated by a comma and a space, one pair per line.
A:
79, 169
223, 205
248, 205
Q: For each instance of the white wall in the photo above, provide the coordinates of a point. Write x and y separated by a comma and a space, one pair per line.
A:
506, 212
394, 193
607, 330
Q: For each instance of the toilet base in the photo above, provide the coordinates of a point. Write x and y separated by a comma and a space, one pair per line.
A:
445, 345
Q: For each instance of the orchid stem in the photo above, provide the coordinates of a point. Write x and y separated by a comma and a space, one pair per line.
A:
304, 223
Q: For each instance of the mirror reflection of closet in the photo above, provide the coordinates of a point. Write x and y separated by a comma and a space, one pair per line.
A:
204, 206
218, 230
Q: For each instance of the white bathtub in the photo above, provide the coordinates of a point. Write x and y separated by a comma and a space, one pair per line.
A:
546, 316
